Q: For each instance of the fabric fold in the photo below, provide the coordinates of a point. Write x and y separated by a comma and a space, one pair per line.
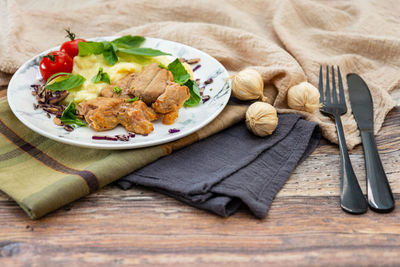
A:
232, 167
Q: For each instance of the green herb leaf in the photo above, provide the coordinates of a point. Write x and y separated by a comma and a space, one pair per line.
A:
179, 72
132, 100
162, 66
194, 94
88, 48
142, 51
117, 90
69, 115
128, 41
71, 81
101, 77
56, 75
110, 53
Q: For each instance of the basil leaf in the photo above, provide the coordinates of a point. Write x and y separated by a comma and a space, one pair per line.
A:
72, 81
142, 51
194, 94
179, 72
132, 100
128, 41
69, 115
110, 53
56, 75
101, 77
88, 48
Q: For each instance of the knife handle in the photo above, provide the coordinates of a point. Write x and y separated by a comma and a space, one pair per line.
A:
352, 198
380, 197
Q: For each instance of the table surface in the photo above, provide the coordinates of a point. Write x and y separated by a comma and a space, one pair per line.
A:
304, 227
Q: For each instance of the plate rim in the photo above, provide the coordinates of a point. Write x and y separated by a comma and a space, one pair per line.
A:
115, 146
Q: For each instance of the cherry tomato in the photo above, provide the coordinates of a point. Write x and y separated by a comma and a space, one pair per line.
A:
55, 62
71, 47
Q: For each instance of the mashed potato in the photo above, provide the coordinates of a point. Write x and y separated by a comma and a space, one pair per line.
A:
88, 67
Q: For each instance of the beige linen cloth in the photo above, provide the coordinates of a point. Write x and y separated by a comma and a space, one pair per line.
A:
286, 40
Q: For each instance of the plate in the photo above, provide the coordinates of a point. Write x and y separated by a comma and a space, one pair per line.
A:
190, 119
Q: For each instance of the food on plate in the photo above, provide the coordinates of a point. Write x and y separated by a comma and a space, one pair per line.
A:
105, 113
55, 62
304, 97
153, 85
261, 118
71, 47
89, 66
248, 85
148, 84
113, 83
170, 101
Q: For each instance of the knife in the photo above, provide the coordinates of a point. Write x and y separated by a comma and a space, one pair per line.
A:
380, 197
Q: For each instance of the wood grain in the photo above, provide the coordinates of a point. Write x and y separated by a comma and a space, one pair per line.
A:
305, 226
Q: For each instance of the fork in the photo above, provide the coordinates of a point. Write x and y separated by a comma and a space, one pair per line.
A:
352, 199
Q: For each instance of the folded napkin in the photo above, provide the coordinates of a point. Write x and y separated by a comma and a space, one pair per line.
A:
232, 167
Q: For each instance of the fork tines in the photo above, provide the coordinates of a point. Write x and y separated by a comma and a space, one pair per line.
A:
330, 98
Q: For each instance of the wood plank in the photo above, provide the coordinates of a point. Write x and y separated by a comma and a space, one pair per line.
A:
139, 226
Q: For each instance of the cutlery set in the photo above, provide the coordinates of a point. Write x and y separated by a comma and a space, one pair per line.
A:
379, 194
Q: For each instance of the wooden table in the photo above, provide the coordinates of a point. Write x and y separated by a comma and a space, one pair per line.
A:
304, 227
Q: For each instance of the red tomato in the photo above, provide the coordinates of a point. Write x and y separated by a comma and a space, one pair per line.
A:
71, 47
55, 62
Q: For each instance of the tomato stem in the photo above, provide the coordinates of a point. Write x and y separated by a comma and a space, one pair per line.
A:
51, 56
70, 34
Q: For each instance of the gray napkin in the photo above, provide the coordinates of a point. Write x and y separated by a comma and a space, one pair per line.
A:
232, 167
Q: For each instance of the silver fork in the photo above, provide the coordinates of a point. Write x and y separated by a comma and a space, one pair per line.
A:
352, 199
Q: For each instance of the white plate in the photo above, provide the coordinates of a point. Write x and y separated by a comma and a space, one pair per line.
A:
190, 119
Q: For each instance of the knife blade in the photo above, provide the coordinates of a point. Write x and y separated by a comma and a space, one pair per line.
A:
380, 196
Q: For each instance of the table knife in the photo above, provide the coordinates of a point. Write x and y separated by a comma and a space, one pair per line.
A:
380, 197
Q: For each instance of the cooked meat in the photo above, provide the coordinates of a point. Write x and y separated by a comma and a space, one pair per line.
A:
172, 99
105, 113
143, 79
169, 118
134, 120
101, 113
148, 84
154, 86
124, 83
149, 113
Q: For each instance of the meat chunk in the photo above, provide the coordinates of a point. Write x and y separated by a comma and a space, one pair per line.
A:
134, 120
101, 113
149, 113
172, 99
143, 79
154, 86
105, 113
150, 83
